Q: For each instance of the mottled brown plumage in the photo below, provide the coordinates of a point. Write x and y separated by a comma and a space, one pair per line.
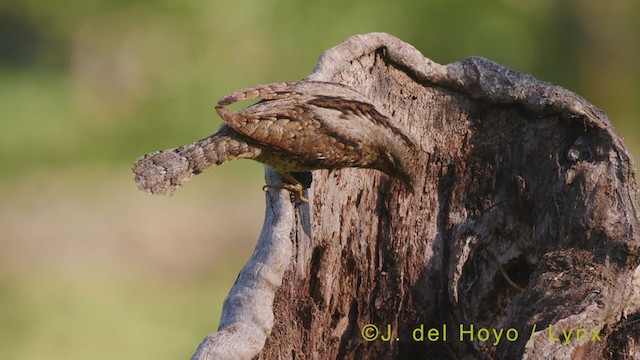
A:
296, 127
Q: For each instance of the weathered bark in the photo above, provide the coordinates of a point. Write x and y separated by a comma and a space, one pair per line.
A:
525, 214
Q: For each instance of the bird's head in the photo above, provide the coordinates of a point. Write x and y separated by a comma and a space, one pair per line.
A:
400, 163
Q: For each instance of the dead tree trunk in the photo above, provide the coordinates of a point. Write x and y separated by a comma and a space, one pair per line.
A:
524, 219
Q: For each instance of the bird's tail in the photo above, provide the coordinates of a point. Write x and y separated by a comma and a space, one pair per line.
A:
163, 171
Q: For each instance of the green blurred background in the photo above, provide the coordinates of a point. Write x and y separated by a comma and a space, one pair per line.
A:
92, 268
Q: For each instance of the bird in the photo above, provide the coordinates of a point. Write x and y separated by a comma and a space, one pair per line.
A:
293, 127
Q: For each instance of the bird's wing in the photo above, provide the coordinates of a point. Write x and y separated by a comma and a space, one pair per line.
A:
312, 121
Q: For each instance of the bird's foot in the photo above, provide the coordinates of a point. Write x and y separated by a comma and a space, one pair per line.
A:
293, 185
295, 189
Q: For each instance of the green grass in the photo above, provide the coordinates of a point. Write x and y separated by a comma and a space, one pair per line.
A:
92, 268
39, 124
106, 317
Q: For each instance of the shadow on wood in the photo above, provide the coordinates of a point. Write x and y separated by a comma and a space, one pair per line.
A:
524, 219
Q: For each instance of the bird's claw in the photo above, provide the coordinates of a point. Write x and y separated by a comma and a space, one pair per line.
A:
295, 189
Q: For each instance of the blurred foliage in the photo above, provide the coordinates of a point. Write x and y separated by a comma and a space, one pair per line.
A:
98, 83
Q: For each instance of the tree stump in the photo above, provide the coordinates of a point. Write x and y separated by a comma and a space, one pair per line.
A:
522, 227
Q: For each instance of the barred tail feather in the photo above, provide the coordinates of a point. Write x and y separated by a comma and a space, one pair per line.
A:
162, 172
